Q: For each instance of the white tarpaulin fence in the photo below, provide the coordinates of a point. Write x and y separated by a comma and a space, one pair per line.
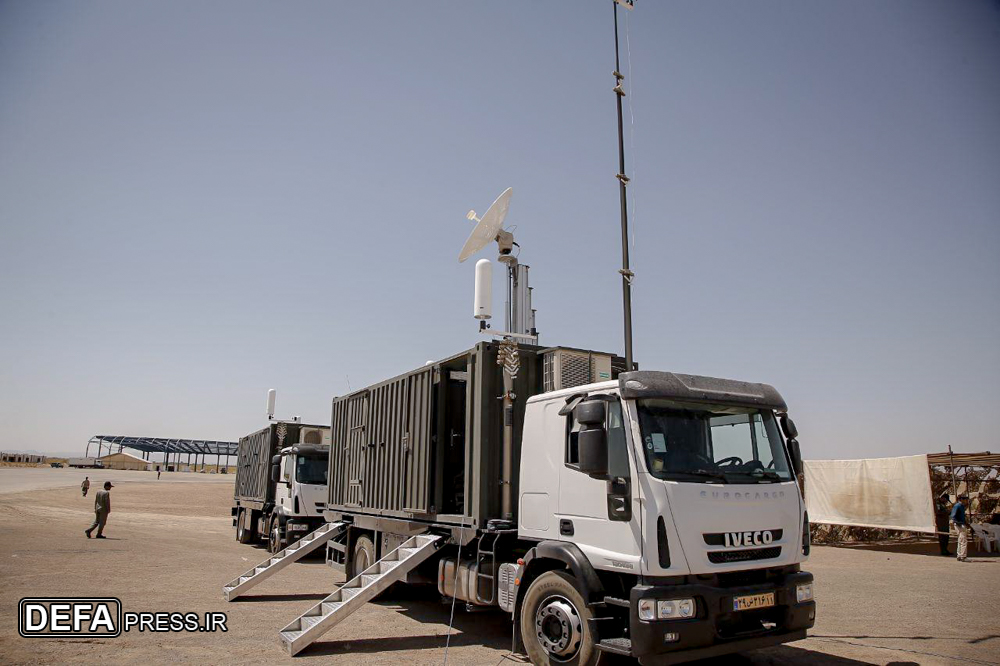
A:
891, 493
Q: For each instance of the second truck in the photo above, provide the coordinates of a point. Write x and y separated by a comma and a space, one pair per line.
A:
280, 489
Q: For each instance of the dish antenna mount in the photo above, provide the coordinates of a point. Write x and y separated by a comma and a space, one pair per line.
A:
520, 317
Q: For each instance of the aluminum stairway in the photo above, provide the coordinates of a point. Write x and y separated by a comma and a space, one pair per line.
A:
279, 561
358, 591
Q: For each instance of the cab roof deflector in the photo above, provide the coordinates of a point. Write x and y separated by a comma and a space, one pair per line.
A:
692, 388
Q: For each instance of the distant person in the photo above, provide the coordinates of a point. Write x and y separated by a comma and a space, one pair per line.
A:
961, 526
942, 517
85, 486
157, 472
102, 507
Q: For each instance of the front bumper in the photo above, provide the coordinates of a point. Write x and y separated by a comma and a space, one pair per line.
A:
717, 629
299, 526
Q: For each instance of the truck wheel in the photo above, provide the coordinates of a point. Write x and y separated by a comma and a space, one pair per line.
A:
243, 535
274, 537
364, 555
555, 623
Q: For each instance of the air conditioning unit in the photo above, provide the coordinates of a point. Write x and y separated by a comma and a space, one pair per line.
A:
315, 436
566, 368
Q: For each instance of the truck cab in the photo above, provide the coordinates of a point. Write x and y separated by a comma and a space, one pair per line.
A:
300, 475
675, 501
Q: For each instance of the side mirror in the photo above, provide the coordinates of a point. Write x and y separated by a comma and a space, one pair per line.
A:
276, 472
593, 445
590, 413
796, 454
593, 439
788, 427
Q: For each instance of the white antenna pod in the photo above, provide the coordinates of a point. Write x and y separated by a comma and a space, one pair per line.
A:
483, 305
270, 403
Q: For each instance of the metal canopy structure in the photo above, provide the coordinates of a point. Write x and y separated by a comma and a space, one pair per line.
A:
172, 449
164, 445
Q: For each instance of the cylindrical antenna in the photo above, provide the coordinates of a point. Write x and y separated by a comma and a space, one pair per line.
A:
270, 403
483, 305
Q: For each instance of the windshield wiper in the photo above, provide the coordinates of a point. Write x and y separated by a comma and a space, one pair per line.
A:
768, 474
707, 473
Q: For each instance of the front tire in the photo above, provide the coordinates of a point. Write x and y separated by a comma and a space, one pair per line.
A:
274, 544
555, 623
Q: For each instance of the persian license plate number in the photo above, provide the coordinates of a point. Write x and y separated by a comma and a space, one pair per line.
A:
753, 601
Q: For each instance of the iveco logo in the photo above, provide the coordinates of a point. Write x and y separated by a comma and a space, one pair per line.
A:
738, 539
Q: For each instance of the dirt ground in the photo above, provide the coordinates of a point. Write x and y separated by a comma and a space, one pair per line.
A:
171, 547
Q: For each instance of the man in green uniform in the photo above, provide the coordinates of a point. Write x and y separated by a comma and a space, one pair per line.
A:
102, 507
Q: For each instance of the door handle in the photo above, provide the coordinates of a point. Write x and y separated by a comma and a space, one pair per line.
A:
566, 527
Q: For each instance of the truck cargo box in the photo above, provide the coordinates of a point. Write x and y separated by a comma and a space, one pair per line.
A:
428, 445
253, 460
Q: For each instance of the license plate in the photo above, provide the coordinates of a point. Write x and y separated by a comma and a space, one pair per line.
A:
753, 601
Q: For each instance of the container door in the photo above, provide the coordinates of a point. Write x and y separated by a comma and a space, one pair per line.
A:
339, 454
357, 444
417, 442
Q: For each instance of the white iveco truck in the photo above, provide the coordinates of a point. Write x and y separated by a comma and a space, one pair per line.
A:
654, 515
662, 519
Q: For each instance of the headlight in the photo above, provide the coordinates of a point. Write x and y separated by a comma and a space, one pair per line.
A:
804, 593
647, 609
675, 608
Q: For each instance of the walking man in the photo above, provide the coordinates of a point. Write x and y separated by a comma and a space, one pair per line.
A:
102, 507
85, 486
157, 472
961, 526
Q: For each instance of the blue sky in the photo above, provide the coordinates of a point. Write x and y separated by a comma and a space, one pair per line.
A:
201, 201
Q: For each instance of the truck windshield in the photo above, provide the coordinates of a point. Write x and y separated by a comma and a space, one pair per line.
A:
711, 444
310, 469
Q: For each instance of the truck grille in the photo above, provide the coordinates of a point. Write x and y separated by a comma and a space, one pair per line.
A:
725, 556
742, 578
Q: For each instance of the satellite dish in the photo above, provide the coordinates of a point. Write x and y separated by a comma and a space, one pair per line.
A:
489, 225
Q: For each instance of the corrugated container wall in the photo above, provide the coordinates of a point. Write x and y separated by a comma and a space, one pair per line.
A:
253, 461
428, 444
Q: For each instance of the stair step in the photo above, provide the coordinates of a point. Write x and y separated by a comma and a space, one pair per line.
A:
622, 646
278, 561
356, 592
307, 622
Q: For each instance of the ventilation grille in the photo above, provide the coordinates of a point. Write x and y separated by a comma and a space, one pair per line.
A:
743, 578
311, 435
725, 556
563, 368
